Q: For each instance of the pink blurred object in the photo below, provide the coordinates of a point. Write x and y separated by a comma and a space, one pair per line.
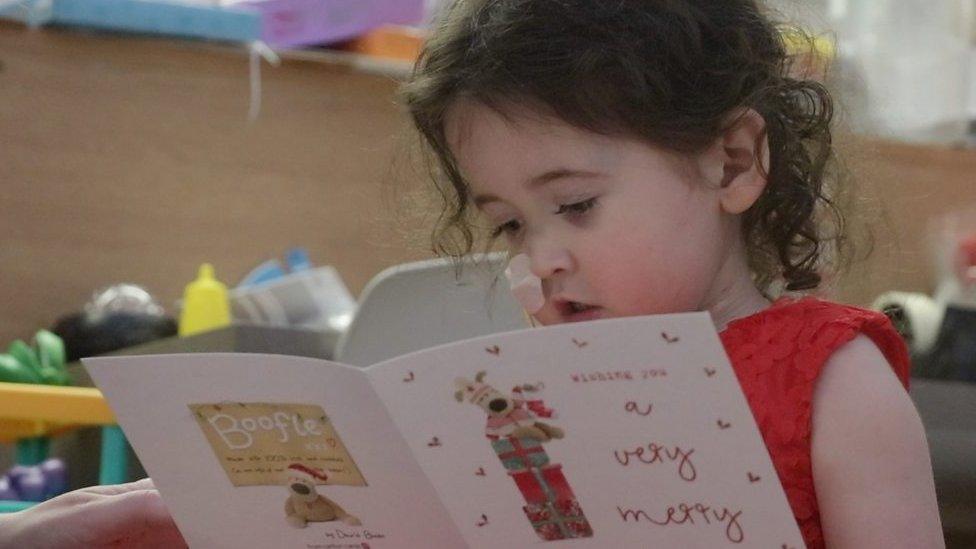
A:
288, 23
965, 261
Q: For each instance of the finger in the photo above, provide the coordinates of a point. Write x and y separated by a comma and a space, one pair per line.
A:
115, 489
85, 495
134, 518
137, 507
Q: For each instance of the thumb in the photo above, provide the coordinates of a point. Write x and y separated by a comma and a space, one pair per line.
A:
136, 518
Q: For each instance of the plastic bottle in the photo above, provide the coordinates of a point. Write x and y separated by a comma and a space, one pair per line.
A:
205, 304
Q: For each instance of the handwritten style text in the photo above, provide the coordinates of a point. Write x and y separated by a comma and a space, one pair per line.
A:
654, 453
633, 407
618, 375
691, 514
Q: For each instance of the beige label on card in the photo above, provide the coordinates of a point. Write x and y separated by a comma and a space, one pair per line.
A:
257, 441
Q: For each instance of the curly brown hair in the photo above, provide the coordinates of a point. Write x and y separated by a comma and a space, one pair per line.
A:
668, 72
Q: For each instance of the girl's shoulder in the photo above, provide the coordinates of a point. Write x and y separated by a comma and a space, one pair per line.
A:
809, 330
782, 356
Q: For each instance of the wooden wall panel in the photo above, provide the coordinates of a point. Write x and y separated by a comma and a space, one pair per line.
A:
130, 159
902, 190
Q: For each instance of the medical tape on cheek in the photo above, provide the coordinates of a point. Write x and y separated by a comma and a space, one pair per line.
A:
525, 286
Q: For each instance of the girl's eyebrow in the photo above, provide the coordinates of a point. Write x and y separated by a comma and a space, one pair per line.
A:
560, 173
542, 180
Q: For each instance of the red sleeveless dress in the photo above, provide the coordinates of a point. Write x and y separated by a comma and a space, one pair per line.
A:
777, 355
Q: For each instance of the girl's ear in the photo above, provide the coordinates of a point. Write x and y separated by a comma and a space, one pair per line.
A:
738, 161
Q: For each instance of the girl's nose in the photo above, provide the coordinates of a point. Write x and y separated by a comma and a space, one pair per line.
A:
548, 258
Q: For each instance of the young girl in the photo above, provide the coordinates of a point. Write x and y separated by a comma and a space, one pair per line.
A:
656, 157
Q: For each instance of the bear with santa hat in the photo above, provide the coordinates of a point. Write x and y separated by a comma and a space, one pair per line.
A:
305, 504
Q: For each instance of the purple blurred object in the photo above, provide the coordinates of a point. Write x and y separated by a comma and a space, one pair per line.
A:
16, 473
55, 477
7, 491
30, 484
287, 23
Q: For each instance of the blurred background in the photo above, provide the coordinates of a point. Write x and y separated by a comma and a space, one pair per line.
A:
140, 139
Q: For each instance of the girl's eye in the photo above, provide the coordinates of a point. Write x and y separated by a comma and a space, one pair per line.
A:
577, 208
509, 227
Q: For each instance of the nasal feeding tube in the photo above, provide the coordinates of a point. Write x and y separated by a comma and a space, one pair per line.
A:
526, 287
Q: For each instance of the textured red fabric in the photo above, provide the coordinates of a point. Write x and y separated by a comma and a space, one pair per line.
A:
778, 355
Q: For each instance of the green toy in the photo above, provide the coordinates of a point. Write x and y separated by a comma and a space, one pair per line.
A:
42, 364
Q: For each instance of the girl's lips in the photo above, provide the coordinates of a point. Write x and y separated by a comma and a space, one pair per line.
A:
570, 311
591, 313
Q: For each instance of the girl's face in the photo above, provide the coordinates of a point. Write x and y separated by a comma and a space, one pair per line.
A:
612, 226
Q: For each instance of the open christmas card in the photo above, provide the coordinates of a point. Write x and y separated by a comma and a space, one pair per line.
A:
626, 432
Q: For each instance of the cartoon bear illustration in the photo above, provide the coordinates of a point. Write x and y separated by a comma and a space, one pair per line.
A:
305, 504
508, 416
518, 438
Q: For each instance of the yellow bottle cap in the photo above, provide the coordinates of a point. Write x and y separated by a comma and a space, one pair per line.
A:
205, 304
799, 43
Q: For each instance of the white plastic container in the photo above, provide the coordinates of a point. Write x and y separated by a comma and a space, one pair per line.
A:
315, 298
